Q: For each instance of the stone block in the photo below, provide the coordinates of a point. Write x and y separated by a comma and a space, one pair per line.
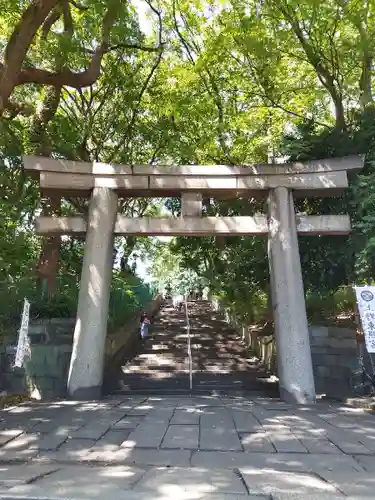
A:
321, 384
93, 430
83, 482
60, 386
185, 417
181, 437
51, 441
65, 324
319, 341
23, 442
220, 438
349, 362
318, 359
63, 338
356, 484
340, 372
38, 357
342, 343
288, 462
45, 384
11, 475
367, 462
337, 387
245, 421
146, 435
318, 331
191, 483
257, 442
52, 357
318, 350
7, 435
191, 204
81, 446
112, 439
140, 410
127, 423
340, 333
15, 383
323, 371
284, 440
330, 359
263, 482
38, 334
172, 458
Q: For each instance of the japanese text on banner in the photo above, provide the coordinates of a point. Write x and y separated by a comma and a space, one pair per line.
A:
366, 306
23, 347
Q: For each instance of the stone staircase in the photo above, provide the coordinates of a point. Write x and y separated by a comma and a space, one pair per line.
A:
221, 363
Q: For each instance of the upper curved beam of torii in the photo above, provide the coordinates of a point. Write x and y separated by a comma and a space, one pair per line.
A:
317, 178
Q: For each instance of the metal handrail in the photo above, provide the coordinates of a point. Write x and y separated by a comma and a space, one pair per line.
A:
189, 344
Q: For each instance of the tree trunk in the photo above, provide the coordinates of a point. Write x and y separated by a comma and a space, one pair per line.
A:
47, 268
339, 111
48, 265
365, 81
49, 257
220, 241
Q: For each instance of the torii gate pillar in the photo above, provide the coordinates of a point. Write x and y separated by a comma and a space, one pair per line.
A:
289, 309
87, 362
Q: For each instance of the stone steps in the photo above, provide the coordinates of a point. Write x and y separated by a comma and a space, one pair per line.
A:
221, 362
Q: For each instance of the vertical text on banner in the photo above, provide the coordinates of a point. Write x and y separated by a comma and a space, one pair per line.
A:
366, 306
23, 346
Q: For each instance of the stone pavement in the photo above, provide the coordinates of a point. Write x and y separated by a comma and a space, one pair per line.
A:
186, 447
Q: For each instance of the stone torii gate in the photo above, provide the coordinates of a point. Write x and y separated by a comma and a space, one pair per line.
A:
280, 184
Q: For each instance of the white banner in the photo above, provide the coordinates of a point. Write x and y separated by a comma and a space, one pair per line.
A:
23, 346
366, 307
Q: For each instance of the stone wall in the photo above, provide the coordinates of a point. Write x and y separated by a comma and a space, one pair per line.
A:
45, 372
334, 355
334, 352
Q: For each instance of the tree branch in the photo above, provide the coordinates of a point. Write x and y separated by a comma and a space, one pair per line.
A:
68, 18
11, 73
133, 46
19, 43
51, 19
68, 78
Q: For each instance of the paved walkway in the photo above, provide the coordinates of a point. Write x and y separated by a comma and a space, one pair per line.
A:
189, 448
221, 361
